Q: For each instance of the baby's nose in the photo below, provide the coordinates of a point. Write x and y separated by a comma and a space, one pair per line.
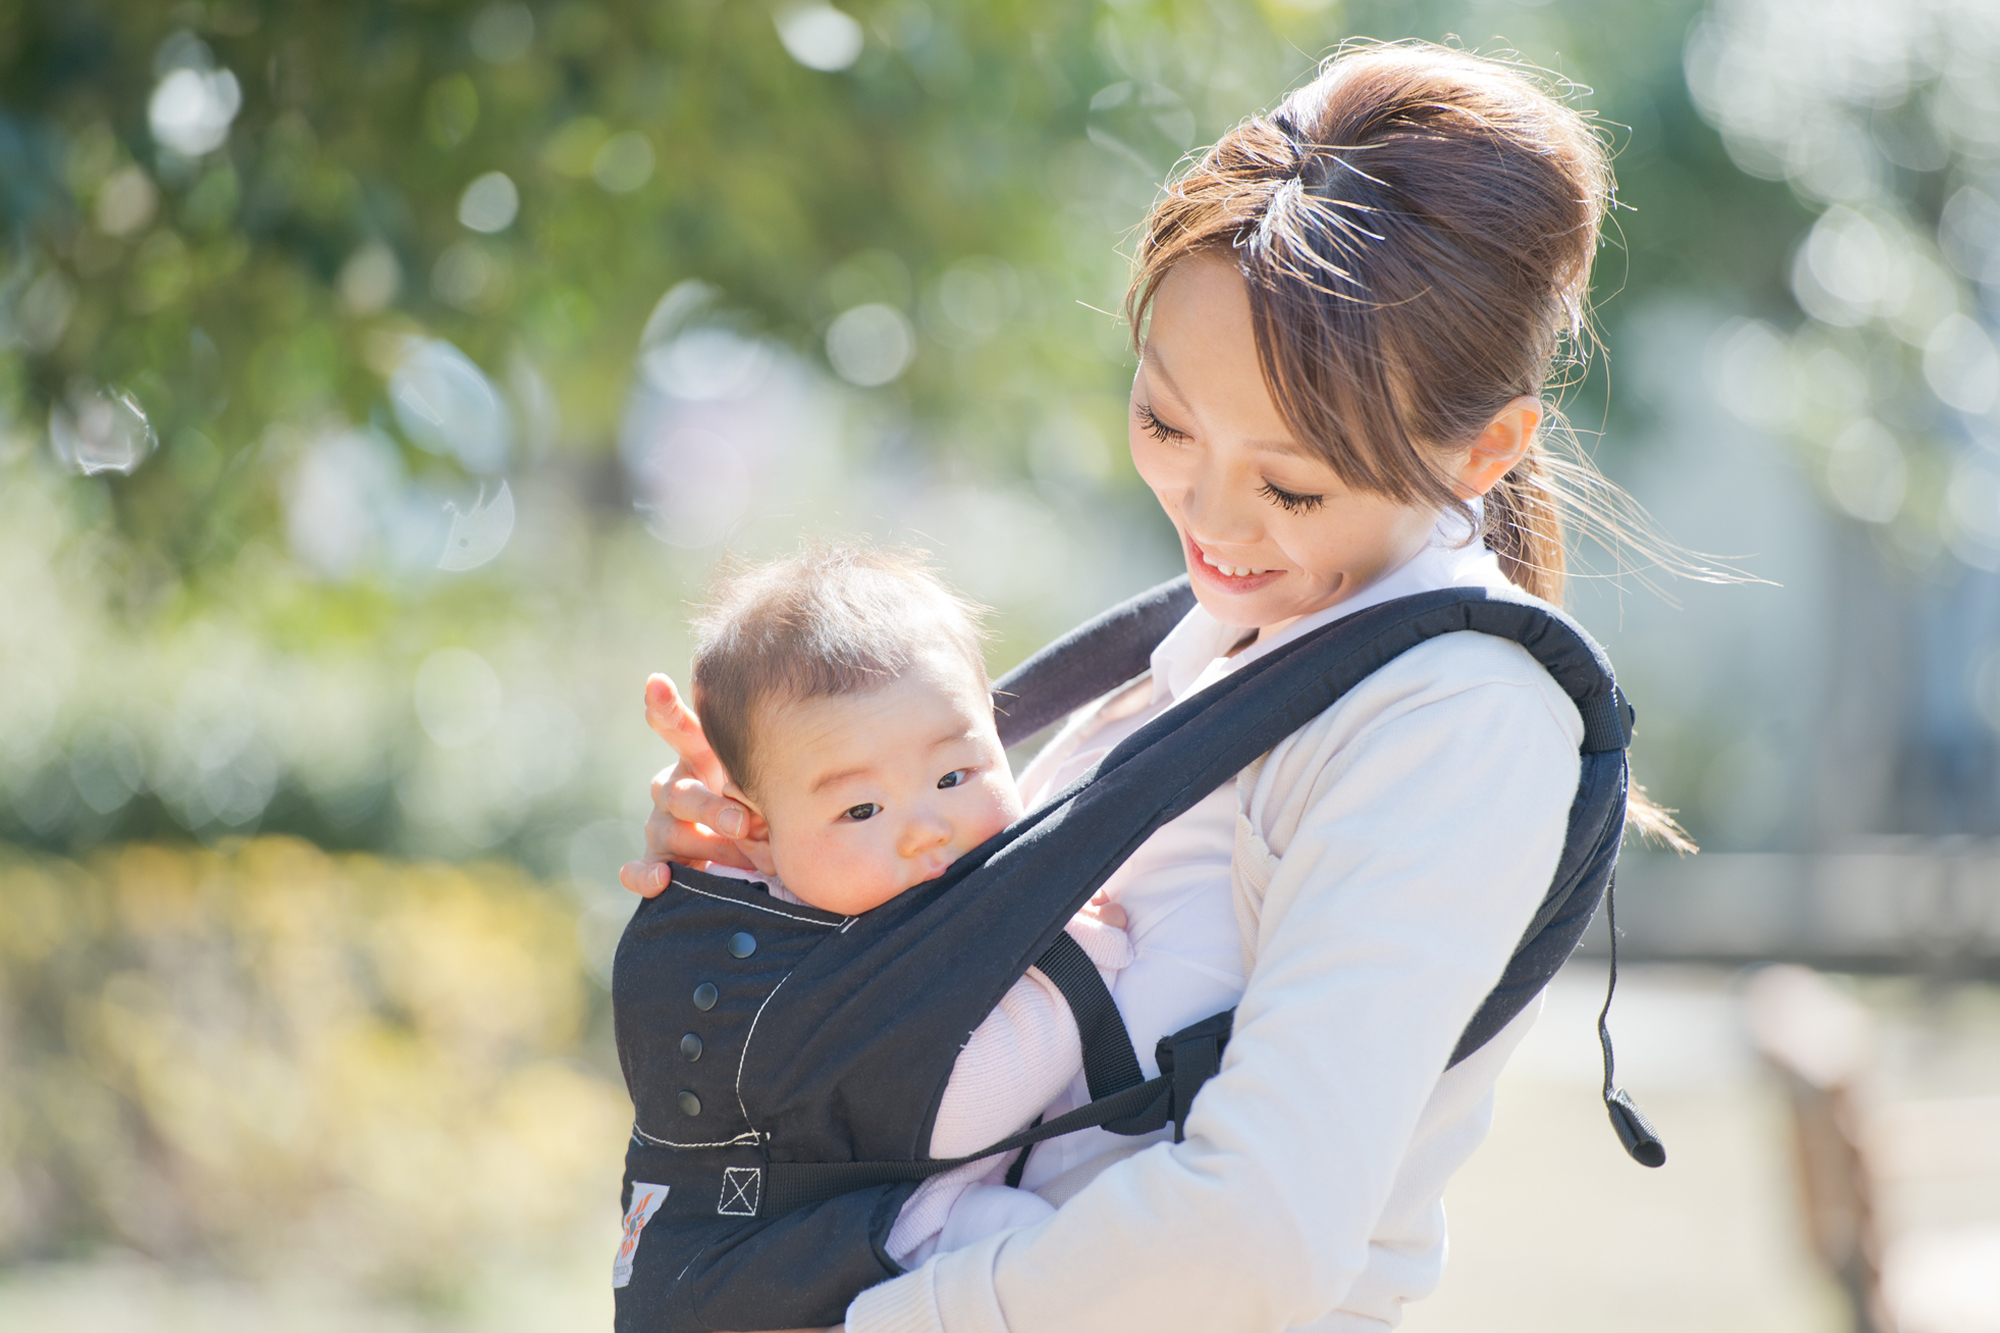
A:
920, 835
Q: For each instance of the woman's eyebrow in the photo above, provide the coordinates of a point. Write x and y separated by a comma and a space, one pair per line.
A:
1156, 365
1286, 445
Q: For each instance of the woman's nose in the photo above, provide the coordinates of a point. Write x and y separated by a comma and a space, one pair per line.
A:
1212, 510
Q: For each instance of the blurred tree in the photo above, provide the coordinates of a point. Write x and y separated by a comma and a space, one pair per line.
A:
282, 279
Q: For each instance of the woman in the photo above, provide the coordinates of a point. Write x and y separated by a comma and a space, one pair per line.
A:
1351, 307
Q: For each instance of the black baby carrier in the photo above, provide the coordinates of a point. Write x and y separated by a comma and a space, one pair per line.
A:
786, 1064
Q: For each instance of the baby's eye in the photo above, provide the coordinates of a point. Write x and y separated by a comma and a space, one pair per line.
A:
954, 778
866, 810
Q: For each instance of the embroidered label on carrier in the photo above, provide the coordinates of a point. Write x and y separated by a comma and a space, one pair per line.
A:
646, 1200
742, 1189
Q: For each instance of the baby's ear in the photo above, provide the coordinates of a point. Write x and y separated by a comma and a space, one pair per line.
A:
756, 839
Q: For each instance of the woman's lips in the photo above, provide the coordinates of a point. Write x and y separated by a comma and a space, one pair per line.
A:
1203, 567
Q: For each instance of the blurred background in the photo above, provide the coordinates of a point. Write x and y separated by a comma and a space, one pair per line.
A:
379, 383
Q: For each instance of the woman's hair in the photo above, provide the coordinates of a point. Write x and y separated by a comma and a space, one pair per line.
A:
1415, 229
831, 620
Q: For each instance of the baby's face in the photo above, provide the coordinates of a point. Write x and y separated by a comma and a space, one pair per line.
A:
867, 795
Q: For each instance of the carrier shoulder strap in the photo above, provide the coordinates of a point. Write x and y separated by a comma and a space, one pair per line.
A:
1115, 647
1072, 672
1088, 662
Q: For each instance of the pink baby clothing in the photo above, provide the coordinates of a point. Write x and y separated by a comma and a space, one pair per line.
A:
1012, 1066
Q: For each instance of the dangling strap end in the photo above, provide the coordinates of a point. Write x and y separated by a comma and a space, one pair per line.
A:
1636, 1132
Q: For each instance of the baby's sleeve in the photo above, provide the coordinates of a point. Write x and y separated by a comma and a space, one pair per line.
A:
1016, 1062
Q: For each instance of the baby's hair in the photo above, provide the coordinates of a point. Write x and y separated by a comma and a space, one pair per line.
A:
832, 620
1415, 229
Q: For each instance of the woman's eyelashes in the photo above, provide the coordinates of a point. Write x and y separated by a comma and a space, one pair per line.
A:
1289, 501
1153, 426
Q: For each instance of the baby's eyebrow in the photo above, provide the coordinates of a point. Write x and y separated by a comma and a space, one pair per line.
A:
841, 776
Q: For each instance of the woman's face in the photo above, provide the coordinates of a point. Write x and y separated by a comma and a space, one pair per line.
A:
1269, 532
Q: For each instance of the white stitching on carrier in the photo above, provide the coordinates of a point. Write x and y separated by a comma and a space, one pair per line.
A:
744, 1058
742, 1190
759, 907
739, 1141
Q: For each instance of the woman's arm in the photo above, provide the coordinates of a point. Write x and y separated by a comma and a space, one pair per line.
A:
1430, 833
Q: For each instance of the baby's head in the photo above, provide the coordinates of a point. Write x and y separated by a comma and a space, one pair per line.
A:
843, 690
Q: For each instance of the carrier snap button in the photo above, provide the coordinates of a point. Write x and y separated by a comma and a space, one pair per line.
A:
705, 996
742, 944
691, 1047
690, 1104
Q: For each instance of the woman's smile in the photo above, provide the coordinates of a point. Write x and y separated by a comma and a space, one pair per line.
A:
1232, 578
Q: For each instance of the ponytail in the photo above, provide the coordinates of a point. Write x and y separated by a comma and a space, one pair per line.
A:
1524, 526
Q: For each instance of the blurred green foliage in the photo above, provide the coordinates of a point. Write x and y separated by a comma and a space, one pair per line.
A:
237, 220
241, 1054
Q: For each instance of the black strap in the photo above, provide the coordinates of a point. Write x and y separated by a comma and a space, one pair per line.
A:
1109, 1062
1019, 1168
1088, 662
1188, 1059
796, 1184
1607, 722
1634, 1131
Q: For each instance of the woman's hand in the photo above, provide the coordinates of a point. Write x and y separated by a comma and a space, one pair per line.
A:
692, 822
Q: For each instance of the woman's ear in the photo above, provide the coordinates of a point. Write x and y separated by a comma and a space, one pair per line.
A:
1504, 443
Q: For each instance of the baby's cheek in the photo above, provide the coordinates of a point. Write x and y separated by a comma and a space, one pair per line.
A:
803, 866
1005, 801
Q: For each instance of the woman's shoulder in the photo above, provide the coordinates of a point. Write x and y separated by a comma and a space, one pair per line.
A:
1465, 698
1453, 672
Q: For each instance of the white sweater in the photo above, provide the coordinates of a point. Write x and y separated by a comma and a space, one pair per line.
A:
1385, 861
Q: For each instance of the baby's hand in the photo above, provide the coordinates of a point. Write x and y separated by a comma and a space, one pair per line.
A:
1100, 929
1110, 913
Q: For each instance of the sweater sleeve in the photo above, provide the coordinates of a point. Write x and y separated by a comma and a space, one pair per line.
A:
1431, 808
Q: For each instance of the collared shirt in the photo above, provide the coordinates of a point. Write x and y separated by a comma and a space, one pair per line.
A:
1175, 887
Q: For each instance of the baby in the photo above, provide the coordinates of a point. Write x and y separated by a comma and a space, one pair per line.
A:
844, 691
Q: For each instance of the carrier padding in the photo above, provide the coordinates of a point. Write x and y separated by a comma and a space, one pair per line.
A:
843, 1033
920, 972
1089, 662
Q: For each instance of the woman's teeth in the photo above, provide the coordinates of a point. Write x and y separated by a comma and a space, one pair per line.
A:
1234, 571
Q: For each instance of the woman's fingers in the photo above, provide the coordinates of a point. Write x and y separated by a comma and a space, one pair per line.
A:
692, 822
675, 723
689, 824
685, 797
645, 878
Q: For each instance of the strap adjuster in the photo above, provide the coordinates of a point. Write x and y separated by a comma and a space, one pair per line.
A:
1607, 722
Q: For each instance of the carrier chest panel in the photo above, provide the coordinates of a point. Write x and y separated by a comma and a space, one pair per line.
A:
696, 967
